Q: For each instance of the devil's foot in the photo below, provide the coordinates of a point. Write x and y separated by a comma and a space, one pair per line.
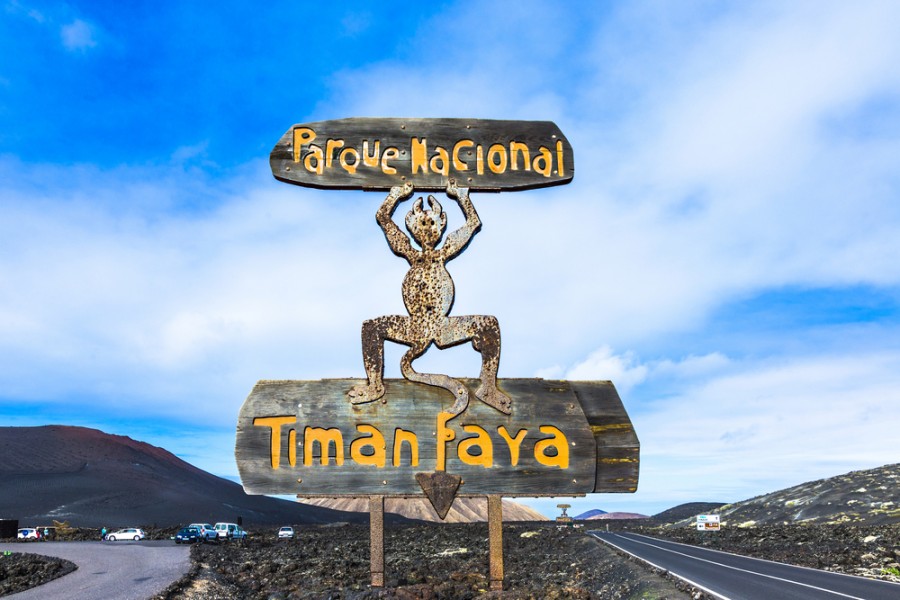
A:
360, 394
490, 395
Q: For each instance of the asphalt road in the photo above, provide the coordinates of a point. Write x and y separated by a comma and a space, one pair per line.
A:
108, 570
730, 576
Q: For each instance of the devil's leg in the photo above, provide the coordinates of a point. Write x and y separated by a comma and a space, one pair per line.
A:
486, 340
374, 333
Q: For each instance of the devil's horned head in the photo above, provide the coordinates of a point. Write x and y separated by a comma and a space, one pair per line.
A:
426, 225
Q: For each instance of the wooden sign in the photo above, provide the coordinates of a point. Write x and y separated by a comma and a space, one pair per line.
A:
379, 153
563, 438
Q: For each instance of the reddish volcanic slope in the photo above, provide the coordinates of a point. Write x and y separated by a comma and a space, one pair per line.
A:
617, 515
93, 479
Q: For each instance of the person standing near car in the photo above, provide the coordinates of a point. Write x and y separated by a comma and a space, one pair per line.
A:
103, 533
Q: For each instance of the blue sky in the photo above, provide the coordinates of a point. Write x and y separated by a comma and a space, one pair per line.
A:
727, 253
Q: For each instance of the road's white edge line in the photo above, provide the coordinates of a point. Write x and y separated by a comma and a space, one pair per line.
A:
650, 537
655, 566
723, 565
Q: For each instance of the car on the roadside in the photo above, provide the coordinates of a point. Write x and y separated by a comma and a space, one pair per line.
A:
285, 533
189, 535
230, 531
27, 533
207, 531
129, 533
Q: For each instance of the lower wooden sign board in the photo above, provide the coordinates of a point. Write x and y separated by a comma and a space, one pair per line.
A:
563, 438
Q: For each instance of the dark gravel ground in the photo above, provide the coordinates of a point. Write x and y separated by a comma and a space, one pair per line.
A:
22, 571
421, 562
451, 561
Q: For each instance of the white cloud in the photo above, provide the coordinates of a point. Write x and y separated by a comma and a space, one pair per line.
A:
603, 364
691, 366
709, 166
78, 35
15, 7
718, 177
769, 426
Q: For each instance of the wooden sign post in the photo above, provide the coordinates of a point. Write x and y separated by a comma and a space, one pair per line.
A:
431, 434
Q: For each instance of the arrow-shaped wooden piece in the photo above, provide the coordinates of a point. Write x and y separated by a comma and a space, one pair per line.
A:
440, 487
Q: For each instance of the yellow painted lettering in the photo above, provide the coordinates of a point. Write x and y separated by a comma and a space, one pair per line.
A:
482, 441
324, 438
330, 146
274, 423
559, 442
371, 160
516, 148
458, 163
479, 159
419, 152
302, 135
292, 447
543, 162
390, 153
514, 442
401, 436
496, 158
444, 435
561, 169
348, 166
440, 154
375, 440
315, 154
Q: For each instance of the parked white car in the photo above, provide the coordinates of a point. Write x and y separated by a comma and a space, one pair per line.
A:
27, 533
230, 531
129, 533
208, 531
285, 533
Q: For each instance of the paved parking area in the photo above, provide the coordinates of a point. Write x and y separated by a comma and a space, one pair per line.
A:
108, 570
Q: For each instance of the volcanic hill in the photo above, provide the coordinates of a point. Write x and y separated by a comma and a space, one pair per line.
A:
93, 479
589, 514
612, 516
687, 511
870, 497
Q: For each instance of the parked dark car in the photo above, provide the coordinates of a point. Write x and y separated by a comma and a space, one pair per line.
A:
188, 535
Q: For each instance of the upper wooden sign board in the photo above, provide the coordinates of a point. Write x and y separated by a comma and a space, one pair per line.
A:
379, 153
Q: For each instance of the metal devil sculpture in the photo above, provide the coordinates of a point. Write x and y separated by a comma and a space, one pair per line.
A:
428, 294
422, 435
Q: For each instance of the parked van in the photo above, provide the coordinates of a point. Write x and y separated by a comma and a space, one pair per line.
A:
230, 531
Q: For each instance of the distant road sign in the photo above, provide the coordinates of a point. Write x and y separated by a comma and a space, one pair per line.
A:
379, 153
708, 523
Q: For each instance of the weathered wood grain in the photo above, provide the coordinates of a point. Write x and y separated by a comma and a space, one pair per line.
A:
337, 149
414, 408
618, 448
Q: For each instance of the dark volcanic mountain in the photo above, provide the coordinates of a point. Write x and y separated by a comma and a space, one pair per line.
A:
689, 510
870, 497
93, 479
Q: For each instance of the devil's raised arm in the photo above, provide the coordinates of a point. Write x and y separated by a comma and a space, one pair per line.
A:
397, 240
457, 241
